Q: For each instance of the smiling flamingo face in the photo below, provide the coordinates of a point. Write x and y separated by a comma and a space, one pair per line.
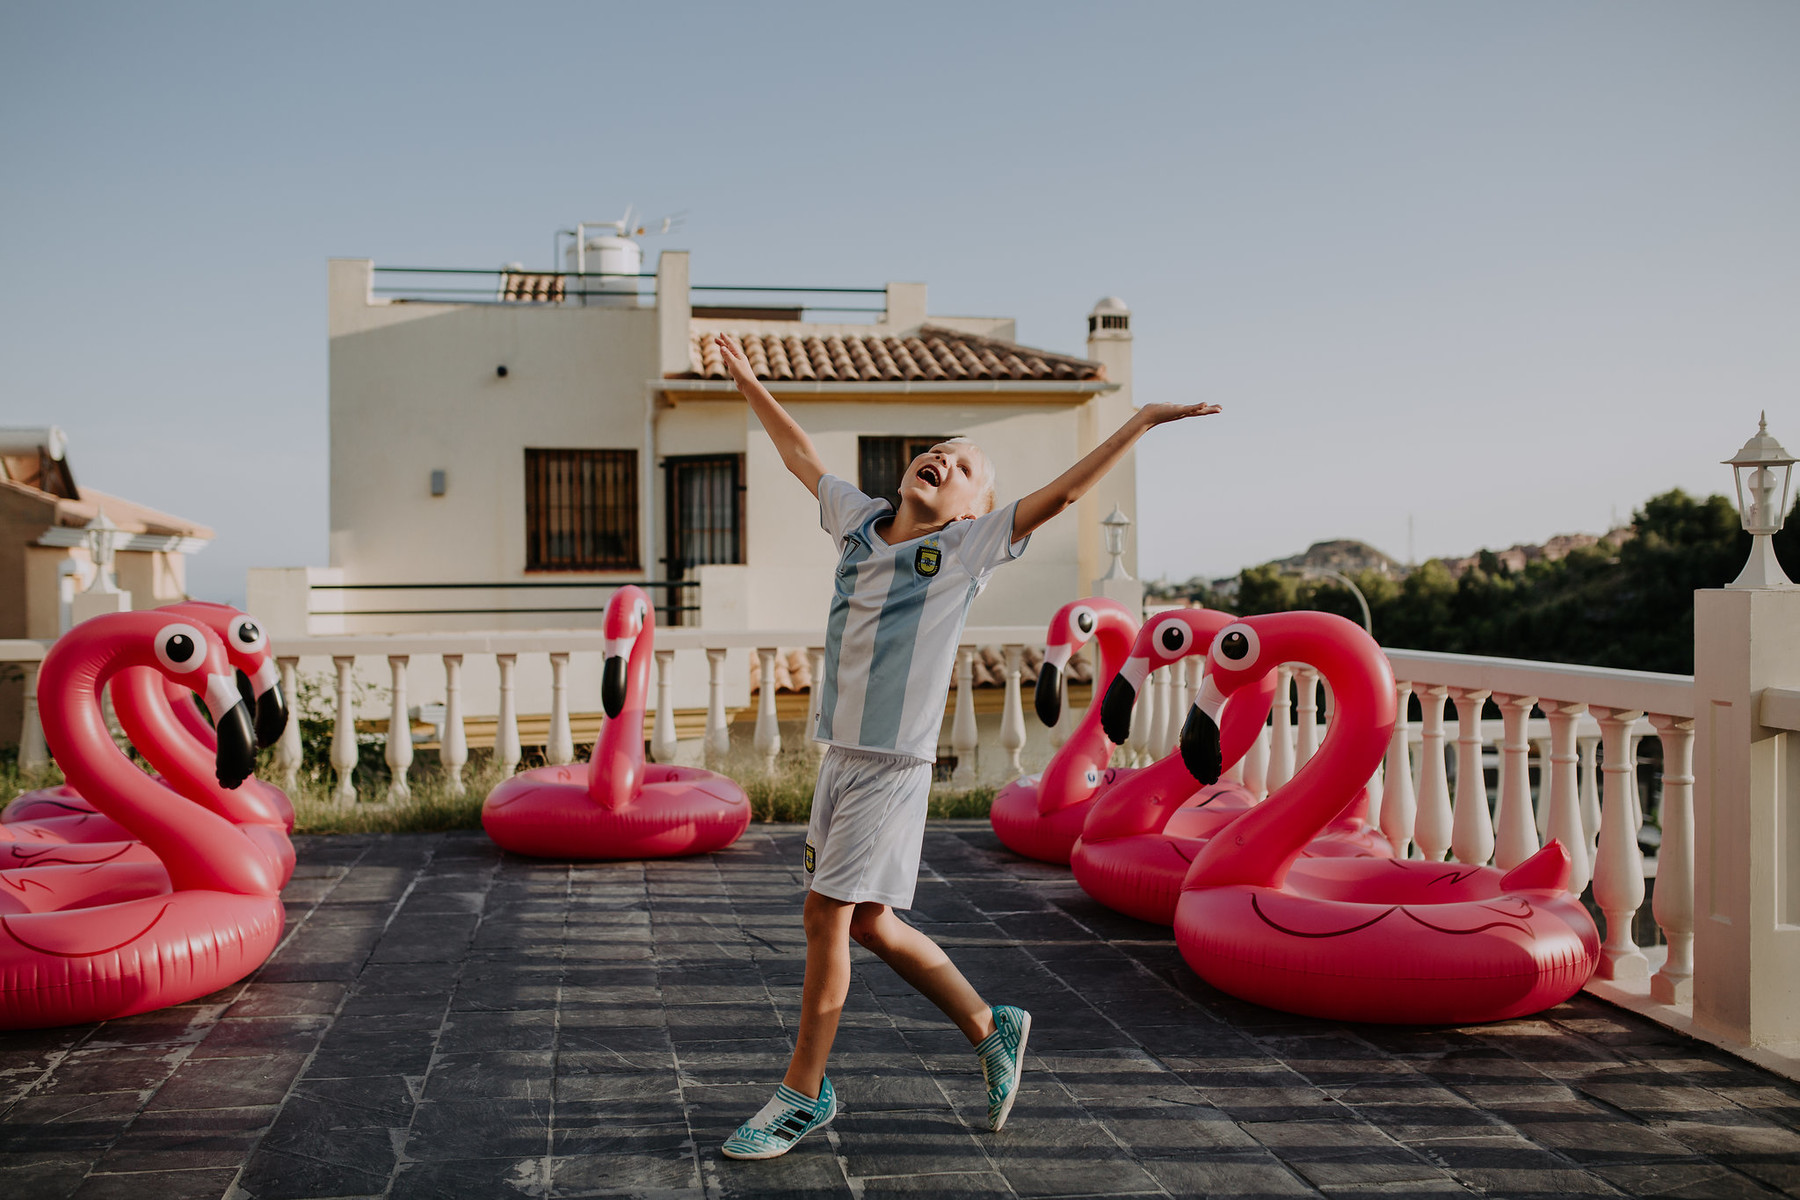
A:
1072, 628
1166, 638
247, 646
184, 651
627, 617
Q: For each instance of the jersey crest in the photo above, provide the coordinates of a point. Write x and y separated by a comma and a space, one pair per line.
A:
927, 559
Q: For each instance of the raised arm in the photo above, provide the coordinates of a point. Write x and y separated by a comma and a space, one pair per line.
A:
797, 452
1073, 483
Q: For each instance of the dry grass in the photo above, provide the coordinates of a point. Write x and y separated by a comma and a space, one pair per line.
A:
784, 794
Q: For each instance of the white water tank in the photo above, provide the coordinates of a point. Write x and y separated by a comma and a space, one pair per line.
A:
618, 258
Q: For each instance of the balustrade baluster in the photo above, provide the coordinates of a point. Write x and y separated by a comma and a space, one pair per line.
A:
1673, 903
1399, 807
718, 733
1252, 769
1619, 865
963, 735
1143, 725
559, 745
662, 730
1012, 714
1515, 833
1472, 829
343, 731
1256, 764
768, 722
288, 751
1432, 823
1179, 699
399, 731
1563, 823
34, 753
1542, 814
1306, 712
1589, 745
453, 745
1281, 734
506, 729
1162, 738
815, 656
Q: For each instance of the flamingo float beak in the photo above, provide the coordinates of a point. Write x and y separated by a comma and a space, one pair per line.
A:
612, 678
1121, 698
1047, 699
236, 759
1200, 752
270, 705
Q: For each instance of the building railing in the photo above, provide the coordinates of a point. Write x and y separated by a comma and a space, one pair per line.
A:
519, 286
680, 598
1430, 798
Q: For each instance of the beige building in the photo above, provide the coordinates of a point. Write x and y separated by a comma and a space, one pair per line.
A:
502, 452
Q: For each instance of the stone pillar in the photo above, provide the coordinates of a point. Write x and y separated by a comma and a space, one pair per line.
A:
1746, 818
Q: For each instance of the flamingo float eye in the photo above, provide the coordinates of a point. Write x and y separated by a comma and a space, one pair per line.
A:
246, 634
1237, 647
181, 648
1082, 620
1173, 638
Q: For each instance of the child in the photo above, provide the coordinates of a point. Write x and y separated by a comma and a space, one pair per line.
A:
905, 579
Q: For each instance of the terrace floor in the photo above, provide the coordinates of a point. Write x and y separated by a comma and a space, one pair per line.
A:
443, 1020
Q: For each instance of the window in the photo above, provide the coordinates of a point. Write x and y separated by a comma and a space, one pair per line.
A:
581, 510
881, 463
704, 497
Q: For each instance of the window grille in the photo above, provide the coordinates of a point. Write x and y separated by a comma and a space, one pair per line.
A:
882, 463
581, 510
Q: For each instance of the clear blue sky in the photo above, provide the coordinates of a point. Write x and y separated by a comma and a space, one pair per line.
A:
1505, 267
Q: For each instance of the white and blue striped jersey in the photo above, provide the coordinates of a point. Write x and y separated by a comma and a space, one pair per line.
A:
896, 617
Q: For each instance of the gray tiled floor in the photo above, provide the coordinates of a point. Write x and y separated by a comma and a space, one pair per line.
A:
444, 1021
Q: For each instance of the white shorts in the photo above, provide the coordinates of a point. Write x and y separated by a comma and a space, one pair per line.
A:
868, 826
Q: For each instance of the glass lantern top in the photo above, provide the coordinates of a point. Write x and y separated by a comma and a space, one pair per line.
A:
1761, 450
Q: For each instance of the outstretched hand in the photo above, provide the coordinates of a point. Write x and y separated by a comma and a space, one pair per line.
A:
733, 357
1162, 414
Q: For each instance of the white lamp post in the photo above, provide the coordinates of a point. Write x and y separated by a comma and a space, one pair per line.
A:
102, 537
1113, 526
1754, 471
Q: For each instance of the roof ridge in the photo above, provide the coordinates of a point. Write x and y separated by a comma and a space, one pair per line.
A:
880, 355
987, 340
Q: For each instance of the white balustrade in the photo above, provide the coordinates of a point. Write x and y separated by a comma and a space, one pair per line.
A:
506, 729
768, 722
1161, 738
1472, 827
662, 730
399, 731
1589, 746
962, 725
1563, 823
1180, 698
718, 733
1619, 865
1012, 715
1281, 734
1256, 764
1306, 711
1541, 748
343, 731
1515, 830
288, 750
1432, 829
1143, 725
1673, 904
815, 657
1399, 806
559, 743
453, 746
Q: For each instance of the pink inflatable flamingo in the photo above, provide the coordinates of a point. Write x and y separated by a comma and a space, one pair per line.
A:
172, 736
222, 917
1360, 939
616, 806
1142, 833
1040, 816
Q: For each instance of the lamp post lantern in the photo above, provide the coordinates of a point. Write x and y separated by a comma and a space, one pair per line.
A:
103, 538
1754, 470
1113, 526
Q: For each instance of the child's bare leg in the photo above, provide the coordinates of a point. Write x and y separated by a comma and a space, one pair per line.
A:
922, 963
822, 997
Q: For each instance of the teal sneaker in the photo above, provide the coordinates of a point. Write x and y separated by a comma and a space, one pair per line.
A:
784, 1120
1003, 1060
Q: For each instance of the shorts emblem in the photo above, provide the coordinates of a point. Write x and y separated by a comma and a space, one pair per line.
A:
927, 559
810, 860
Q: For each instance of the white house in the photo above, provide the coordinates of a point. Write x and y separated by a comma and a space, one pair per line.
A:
499, 458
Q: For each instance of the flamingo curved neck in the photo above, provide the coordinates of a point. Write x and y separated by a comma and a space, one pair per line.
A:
176, 831
1064, 779
152, 724
1257, 849
617, 768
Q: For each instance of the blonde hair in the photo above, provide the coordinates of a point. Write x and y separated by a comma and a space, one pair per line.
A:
987, 472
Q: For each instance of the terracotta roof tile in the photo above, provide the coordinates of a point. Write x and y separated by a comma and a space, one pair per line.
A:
929, 353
